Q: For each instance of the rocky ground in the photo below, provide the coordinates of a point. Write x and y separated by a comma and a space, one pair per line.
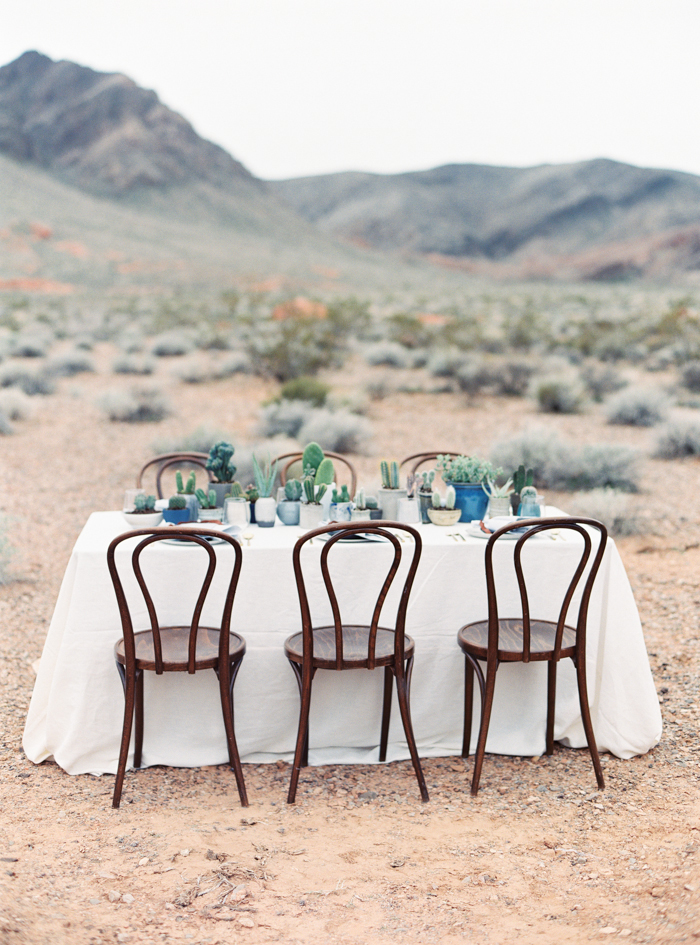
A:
538, 856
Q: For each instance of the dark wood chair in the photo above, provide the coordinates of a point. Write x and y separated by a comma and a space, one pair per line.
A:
181, 649
416, 460
525, 639
350, 646
167, 461
292, 458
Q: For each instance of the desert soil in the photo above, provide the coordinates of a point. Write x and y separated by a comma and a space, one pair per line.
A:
538, 856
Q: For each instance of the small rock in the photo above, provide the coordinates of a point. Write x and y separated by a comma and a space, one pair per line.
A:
608, 930
657, 892
94, 902
184, 852
398, 862
625, 932
113, 895
143, 861
128, 898
246, 922
689, 887
367, 796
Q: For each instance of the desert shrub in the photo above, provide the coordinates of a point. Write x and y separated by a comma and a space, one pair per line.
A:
568, 467
678, 439
31, 344
608, 506
388, 354
339, 431
70, 364
445, 362
84, 342
690, 376
171, 344
6, 553
238, 362
284, 418
601, 380
133, 364
474, 375
199, 440
561, 393
32, 382
138, 405
512, 376
300, 342
638, 407
15, 404
193, 371
309, 389
131, 342
6, 427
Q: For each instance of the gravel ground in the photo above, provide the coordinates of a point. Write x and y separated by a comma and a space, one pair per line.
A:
538, 856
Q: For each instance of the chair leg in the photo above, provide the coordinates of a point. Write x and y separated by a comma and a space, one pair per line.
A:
138, 731
129, 684
226, 692
402, 691
468, 703
302, 746
551, 701
386, 711
305, 754
586, 719
486, 706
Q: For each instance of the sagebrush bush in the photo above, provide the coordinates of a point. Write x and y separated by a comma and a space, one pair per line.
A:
298, 344
7, 552
445, 362
512, 376
134, 364
678, 439
601, 380
309, 389
690, 376
32, 382
70, 364
389, 354
562, 393
237, 362
15, 404
474, 375
138, 405
608, 506
31, 344
6, 427
638, 407
193, 371
285, 418
199, 440
172, 344
564, 466
339, 431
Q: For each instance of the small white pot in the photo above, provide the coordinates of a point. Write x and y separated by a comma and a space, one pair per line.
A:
143, 519
360, 515
265, 511
310, 515
389, 502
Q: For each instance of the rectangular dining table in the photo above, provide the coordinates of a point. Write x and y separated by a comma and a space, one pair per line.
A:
76, 711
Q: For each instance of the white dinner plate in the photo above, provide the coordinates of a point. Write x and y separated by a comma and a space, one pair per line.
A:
232, 530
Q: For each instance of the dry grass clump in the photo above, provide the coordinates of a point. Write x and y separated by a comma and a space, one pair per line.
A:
172, 344
70, 364
15, 404
33, 382
31, 344
138, 405
601, 380
7, 552
638, 407
678, 439
559, 393
337, 430
237, 362
140, 365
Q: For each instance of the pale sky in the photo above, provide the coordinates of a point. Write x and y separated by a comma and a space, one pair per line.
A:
297, 87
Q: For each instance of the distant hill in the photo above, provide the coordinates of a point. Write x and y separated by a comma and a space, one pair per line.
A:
599, 219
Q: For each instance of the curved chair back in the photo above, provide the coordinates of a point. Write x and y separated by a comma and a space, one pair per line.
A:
167, 461
150, 537
292, 458
416, 460
336, 532
537, 526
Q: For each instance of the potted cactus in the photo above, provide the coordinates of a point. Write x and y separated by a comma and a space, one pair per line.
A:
312, 512
425, 493
443, 511
144, 514
208, 509
529, 506
288, 508
361, 511
177, 511
390, 492
468, 475
221, 467
341, 505
499, 497
521, 477
187, 492
252, 495
266, 506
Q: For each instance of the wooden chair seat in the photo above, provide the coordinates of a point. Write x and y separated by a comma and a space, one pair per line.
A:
474, 639
355, 647
175, 648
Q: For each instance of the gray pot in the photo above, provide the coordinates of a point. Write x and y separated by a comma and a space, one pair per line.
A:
425, 501
389, 502
288, 512
221, 489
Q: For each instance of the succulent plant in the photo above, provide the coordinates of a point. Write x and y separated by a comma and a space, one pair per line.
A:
145, 503
219, 462
312, 457
528, 494
252, 494
371, 502
522, 477
359, 500
292, 490
426, 481
313, 493
236, 491
325, 474
436, 500
188, 488
342, 496
450, 497
466, 469
498, 492
177, 502
264, 477
390, 474
206, 500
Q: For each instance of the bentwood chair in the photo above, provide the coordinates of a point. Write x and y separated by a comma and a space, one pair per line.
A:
525, 639
416, 460
342, 646
178, 649
292, 458
167, 461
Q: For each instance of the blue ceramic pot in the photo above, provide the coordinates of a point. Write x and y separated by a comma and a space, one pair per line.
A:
176, 516
471, 500
288, 512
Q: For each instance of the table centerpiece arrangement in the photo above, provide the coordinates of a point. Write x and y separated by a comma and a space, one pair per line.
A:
469, 476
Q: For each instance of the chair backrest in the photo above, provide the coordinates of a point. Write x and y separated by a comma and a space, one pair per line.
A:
149, 537
167, 461
292, 458
536, 526
416, 460
335, 533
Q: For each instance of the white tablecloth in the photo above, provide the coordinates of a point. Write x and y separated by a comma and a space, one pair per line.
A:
76, 710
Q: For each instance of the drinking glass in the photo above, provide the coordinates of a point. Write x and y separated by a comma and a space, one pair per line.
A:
236, 511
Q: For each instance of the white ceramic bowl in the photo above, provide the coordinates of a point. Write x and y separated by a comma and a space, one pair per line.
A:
142, 520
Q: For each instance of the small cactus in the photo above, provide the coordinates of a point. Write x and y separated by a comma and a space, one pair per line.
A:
312, 457
188, 488
236, 491
309, 490
450, 497
436, 500
342, 496
522, 477
325, 474
252, 494
145, 503
177, 503
359, 500
426, 481
207, 501
371, 502
219, 462
292, 490
390, 474
528, 494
